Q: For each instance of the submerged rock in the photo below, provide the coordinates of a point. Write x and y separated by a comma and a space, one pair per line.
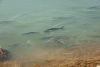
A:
4, 55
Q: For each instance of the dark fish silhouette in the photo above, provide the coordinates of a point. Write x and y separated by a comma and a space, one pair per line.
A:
46, 38
29, 33
6, 22
14, 18
94, 7
56, 39
95, 36
53, 29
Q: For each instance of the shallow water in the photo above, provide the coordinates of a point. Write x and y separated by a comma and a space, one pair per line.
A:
79, 18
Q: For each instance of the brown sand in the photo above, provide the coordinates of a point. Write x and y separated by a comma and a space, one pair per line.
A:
79, 56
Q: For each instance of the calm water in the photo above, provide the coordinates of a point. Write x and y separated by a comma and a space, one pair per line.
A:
80, 19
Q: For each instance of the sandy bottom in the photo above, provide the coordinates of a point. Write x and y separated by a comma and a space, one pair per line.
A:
77, 56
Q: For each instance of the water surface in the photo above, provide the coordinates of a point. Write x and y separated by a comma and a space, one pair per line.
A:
81, 21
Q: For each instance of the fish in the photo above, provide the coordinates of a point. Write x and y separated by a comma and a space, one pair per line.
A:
56, 39
30, 33
95, 36
13, 18
94, 7
45, 38
54, 29
48, 38
6, 21
14, 46
61, 19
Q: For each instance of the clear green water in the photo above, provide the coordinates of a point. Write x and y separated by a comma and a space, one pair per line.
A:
80, 18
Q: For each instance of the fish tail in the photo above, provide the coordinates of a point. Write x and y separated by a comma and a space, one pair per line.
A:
62, 27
